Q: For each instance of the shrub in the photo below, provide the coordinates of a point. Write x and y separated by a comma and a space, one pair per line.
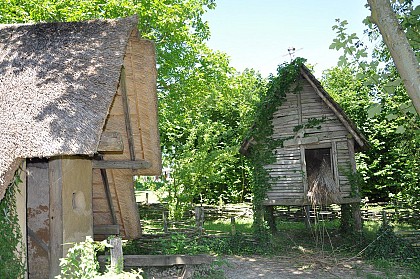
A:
81, 263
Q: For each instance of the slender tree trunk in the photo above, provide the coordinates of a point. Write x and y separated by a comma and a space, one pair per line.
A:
403, 55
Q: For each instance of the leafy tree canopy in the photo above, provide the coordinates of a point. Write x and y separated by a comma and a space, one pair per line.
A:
367, 85
205, 106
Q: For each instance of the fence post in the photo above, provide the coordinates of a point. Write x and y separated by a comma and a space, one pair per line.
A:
117, 259
199, 219
233, 225
165, 221
307, 216
384, 219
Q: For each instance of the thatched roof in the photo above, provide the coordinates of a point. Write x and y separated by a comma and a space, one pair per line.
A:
57, 83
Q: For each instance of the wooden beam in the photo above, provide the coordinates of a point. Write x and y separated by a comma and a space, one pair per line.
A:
299, 108
302, 201
37, 240
108, 195
138, 164
128, 128
106, 229
300, 141
56, 215
111, 142
162, 260
334, 163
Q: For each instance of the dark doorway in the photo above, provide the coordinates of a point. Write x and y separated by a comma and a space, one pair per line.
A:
315, 158
322, 187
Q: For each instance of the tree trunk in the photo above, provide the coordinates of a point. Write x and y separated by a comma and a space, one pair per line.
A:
403, 55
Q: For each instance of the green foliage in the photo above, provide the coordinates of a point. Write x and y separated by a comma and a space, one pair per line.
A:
205, 106
389, 246
262, 130
202, 139
81, 262
371, 93
241, 244
11, 246
242, 225
180, 243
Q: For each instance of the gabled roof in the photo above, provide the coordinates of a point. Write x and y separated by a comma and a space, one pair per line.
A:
57, 83
360, 140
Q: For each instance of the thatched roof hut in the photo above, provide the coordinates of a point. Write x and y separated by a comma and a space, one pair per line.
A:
57, 84
81, 89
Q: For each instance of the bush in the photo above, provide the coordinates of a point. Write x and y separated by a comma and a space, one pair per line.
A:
389, 246
81, 263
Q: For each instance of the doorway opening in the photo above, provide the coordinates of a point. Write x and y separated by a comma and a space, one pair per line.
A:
322, 187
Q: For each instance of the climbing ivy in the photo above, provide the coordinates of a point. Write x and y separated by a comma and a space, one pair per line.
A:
11, 265
261, 133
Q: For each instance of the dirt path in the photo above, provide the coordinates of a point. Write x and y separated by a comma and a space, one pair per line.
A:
298, 267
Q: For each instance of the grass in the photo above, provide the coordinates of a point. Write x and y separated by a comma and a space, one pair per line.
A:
242, 225
293, 239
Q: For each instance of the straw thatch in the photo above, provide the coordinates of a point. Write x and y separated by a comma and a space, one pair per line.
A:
57, 83
323, 189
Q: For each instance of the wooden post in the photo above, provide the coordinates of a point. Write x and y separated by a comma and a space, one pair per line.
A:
165, 221
346, 216
117, 259
56, 216
233, 225
384, 219
307, 216
147, 198
357, 217
269, 215
202, 218
199, 219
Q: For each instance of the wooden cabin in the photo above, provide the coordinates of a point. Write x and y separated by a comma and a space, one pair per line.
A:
324, 151
78, 115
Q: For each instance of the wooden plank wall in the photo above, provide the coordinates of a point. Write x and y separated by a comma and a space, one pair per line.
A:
331, 131
288, 173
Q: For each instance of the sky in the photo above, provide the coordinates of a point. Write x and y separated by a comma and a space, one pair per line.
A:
257, 33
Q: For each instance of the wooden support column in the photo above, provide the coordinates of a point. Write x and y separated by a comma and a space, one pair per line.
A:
307, 209
71, 219
56, 216
269, 216
357, 217
346, 216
